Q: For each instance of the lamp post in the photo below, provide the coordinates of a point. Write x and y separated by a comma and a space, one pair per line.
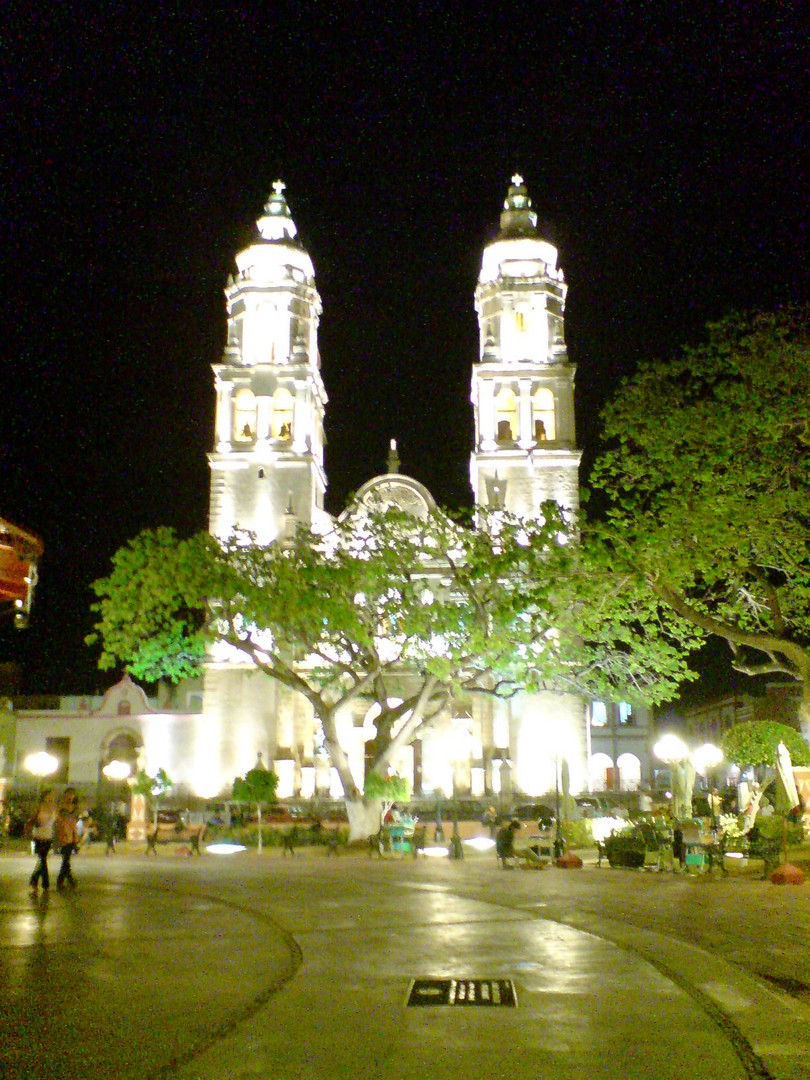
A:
673, 751
40, 765
438, 832
115, 772
706, 758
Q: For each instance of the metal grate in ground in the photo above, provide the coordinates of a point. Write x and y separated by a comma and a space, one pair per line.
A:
466, 992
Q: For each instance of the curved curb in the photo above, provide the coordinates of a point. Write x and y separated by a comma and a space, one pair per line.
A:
249, 1009
764, 1026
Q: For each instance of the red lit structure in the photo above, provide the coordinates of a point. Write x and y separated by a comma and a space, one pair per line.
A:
19, 552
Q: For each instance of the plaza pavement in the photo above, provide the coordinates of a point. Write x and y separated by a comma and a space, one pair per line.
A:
284, 968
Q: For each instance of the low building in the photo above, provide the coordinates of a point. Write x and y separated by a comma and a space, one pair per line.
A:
84, 734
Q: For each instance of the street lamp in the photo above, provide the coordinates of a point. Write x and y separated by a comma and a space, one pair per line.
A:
117, 770
673, 751
40, 765
706, 758
670, 749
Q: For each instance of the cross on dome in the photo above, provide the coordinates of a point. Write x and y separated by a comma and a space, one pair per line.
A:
277, 223
518, 218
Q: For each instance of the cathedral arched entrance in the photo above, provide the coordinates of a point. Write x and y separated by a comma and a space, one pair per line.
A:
121, 744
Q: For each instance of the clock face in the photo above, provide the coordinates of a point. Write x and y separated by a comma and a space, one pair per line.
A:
394, 493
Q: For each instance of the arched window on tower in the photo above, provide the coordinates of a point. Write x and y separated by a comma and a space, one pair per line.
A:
281, 423
523, 318
506, 415
244, 416
543, 420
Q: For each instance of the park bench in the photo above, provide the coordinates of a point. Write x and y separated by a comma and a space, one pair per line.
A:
171, 832
315, 835
418, 840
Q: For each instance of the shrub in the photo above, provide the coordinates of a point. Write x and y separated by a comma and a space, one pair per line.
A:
625, 848
578, 834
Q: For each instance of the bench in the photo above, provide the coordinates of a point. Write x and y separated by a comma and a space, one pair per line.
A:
418, 840
315, 835
175, 833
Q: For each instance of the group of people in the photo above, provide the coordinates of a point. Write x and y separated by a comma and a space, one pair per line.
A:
55, 823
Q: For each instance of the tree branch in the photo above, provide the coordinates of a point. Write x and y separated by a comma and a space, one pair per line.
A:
795, 655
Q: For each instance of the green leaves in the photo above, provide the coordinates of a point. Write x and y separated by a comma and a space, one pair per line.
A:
392, 788
755, 743
387, 606
152, 606
256, 786
706, 482
153, 787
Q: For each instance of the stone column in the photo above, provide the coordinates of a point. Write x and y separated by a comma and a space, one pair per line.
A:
525, 434
264, 409
486, 413
136, 829
224, 417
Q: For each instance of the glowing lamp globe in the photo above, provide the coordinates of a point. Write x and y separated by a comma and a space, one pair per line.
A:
670, 748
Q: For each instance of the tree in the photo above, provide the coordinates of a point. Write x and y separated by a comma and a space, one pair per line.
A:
706, 491
389, 789
153, 787
755, 743
257, 786
405, 612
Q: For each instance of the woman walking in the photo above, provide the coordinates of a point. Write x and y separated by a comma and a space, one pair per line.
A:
42, 835
67, 836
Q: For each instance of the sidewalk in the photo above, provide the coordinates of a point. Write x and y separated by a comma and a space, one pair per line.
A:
280, 968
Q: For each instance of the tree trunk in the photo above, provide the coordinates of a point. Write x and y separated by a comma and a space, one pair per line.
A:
365, 817
338, 758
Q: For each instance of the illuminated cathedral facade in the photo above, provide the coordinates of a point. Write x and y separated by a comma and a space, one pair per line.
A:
267, 474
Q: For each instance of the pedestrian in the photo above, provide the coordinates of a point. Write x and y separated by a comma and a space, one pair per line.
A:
42, 834
108, 823
490, 820
678, 845
505, 842
67, 836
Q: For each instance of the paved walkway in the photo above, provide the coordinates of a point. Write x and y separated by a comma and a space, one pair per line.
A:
286, 968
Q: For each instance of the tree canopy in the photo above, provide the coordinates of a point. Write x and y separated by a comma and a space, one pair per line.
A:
755, 742
706, 489
258, 786
402, 611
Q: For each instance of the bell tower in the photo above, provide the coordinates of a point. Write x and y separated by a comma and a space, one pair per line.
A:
523, 384
266, 473
268, 457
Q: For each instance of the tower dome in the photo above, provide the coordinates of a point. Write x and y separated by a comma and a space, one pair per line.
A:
276, 223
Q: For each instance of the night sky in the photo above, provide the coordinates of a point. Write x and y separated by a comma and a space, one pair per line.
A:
666, 155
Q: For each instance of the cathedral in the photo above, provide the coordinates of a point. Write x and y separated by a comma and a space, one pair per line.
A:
267, 474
